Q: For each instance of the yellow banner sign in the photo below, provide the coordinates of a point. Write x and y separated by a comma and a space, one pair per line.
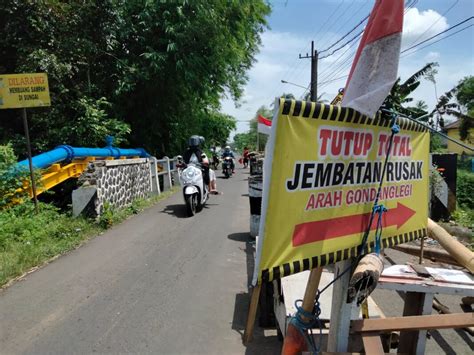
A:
321, 177
24, 90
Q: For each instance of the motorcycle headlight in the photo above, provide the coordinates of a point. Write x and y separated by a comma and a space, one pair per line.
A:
189, 174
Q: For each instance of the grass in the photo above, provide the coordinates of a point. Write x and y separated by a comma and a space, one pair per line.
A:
28, 239
465, 217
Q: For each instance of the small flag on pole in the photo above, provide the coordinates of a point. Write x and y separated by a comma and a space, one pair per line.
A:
375, 65
264, 125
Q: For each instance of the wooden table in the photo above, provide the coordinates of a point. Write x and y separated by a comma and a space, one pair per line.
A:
420, 292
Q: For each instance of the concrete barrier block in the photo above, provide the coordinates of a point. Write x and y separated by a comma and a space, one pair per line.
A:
83, 199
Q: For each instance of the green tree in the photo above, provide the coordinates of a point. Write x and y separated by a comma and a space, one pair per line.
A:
179, 58
459, 102
242, 140
150, 72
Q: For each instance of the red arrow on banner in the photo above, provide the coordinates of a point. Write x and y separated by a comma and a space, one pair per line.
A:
341, 226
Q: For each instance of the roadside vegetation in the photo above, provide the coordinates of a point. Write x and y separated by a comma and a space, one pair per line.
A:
28, 239
464, 214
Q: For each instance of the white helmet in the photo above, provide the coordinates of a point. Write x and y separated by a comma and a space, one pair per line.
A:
227, 147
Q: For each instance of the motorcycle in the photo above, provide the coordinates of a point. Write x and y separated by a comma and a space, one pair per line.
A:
195, 192
227, 167
215, 161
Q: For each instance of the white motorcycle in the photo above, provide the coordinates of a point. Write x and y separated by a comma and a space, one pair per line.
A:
195, 192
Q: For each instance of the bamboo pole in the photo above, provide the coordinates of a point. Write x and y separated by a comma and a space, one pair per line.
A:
463, 255
365, 277
248, 333
312, 289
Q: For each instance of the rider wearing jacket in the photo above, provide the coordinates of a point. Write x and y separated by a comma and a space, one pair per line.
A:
228, 153
194, 155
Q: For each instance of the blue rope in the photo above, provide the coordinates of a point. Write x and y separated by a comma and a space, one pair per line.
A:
304, 326
379, 209
395, 129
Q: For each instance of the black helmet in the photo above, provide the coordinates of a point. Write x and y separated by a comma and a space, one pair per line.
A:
194, 141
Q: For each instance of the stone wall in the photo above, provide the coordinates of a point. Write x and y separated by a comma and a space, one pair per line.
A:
115, 183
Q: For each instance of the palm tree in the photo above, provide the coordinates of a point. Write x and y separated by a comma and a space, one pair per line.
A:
399, 94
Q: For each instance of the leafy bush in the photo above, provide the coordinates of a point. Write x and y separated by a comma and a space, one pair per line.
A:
465, 189
465, 163
464, 217
12, 179
28, 239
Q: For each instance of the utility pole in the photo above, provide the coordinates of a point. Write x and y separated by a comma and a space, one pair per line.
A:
314, 72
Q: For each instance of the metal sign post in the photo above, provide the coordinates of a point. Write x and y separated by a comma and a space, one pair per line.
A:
30, 160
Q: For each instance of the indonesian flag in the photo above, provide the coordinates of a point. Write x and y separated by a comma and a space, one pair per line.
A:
375, 65
264, 125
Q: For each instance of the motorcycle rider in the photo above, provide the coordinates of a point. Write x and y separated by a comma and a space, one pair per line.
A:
212, 176
245, 156
215, 158
195, 155
228, 153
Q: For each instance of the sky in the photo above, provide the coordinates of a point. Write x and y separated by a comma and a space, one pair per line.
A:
293, 24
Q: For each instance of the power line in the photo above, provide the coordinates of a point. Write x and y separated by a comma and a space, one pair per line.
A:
347, 34
342, 46
409, 5
438, 34
346, 63
334, 22
334, 71
296, 63
336, 33
434, 23
340, 67
335, 79
439, 40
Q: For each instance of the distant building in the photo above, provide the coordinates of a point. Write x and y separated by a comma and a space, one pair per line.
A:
452, 130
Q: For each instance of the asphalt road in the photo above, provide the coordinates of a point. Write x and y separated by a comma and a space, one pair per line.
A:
158, 283
164, 284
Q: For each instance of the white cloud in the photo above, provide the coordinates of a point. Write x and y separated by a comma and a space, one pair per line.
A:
277, 60
432, 56
418, 26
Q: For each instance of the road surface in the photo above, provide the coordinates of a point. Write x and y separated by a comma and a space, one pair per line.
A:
157, 283
164, 284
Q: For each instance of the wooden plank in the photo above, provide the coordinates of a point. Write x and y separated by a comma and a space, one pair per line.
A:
437, 321
372, 344
413, 306
428, 253
248, 333
441, 308
338, 338
416, 304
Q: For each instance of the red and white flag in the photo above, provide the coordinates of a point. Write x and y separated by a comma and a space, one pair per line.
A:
375, 65
264, 125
